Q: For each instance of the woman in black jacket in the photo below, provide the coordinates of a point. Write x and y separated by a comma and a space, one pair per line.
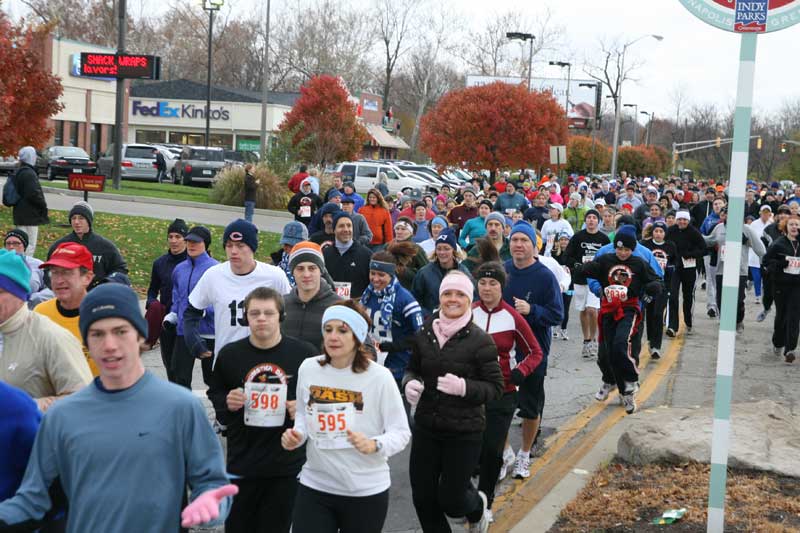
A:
782, 261
452, 374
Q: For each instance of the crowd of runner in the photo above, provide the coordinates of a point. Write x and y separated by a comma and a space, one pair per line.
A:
425, 319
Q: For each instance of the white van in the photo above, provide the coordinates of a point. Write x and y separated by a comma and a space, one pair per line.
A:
364, 175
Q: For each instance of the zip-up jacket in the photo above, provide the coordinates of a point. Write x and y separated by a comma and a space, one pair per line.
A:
304, 318
161, 278
184, 278
775, 260
688, 242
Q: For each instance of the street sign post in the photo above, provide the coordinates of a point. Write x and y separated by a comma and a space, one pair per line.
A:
86, 183
748, 18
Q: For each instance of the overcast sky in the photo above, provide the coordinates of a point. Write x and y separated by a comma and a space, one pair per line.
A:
698, 57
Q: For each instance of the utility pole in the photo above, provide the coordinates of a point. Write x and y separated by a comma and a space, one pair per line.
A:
512, 35
265, 91
211, 6
119, 104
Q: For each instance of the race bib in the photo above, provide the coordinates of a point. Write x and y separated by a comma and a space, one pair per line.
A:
662, 262
510, 211
342, 288
721, 254
689, 262
551, 239
330, 422
305, 211
266, 404
616, 293
588, 258
794, 265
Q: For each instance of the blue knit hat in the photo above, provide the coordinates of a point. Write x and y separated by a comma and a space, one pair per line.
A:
340, 215
446, 236
111, 300
241, 230
627, 229
15, 276
439, 219
525, 228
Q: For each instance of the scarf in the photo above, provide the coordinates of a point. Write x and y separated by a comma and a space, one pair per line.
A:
284, 265
343, 246
444, 328
385, 298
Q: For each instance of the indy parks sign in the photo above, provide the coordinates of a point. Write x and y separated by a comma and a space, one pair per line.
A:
746, 16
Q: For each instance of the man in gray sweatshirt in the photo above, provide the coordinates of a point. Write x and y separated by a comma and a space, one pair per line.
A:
125, 446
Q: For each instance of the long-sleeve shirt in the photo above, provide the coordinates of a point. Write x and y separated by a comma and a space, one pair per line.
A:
161, 278
378, 413
123, 459
18, 427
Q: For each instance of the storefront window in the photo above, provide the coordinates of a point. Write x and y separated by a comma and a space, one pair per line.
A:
150, 136
248, 143
94, 140
73, 133
222, 140
58, 133
192, 139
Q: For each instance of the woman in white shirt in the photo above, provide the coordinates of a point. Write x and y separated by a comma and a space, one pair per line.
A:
350, 413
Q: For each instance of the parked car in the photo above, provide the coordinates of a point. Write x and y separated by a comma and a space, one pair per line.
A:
8, 165
199, 164
170, 158
61, 161
236, 158
365, 175
138, 162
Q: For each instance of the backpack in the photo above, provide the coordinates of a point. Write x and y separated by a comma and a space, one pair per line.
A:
11, 196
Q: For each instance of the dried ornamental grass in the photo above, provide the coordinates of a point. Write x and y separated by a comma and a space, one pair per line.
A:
228, 188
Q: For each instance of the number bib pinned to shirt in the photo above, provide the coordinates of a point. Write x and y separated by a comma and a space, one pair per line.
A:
689, 262
794, 265
616, 293
266, 404
329, 424
304, 211
342, 288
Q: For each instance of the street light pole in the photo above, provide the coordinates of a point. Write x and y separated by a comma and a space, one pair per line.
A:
635, 122
569, 79
649, 126
512, 35
593, 122
617, 101
119, 104
211, 6
265, 91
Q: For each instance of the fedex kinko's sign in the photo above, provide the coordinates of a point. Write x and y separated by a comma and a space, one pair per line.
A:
746, 16
177, 111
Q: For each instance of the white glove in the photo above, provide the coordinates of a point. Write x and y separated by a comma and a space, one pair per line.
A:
172, 318
414, 390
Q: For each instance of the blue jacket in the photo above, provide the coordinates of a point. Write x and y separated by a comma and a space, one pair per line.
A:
474, 228
639, 251
426, 285
184, 278
358, 201
406, 321
539, 287
18, 427
161, 278
709, 223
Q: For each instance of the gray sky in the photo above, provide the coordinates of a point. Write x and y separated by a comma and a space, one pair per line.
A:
693, 55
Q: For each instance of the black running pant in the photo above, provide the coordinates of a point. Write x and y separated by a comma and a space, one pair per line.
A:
620, 343
654, 320
787, 316
263, 505
440, 470
183, 363
681, 285
498, 420
739, 297
321, 512
768, 289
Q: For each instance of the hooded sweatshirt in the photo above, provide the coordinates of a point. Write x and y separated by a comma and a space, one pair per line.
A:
303, 318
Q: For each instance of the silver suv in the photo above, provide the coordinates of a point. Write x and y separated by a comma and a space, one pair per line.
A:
138, 162
199, 164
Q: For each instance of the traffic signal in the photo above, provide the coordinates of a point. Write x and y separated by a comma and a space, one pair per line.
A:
718, 143
783, 147
758, 143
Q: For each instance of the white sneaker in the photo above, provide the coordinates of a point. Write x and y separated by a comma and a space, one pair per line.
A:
522, 466
490, 516
605, 390
483, 525
564, 335
758, 300
556, 334
508, 462
586, 351
629, 398
595, 348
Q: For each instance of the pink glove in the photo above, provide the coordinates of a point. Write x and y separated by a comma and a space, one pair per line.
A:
452, 385
414, 390
205, 507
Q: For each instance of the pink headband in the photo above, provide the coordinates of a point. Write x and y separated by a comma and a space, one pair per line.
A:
457, 282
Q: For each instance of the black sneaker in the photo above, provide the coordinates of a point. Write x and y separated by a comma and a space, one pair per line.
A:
789, 357
712, 313
670, 332
655, 353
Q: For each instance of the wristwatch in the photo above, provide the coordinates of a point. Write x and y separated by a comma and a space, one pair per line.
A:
378, 445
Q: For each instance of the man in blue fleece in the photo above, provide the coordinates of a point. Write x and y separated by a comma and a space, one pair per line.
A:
125, 446
18, 427
534, 292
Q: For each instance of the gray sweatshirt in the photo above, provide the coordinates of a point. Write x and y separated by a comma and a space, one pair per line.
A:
123, 458
751, 241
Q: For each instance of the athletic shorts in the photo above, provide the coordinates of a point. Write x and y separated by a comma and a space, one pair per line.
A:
530, 397
584, 298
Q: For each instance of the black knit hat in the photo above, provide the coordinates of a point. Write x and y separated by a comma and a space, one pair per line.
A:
19, 234
178, 226
493, 270
111, 300
199, 234
83, 209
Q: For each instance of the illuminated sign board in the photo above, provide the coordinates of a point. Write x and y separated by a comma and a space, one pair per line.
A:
120, 66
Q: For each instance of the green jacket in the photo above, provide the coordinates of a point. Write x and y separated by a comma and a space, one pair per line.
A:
575, 216
473, 259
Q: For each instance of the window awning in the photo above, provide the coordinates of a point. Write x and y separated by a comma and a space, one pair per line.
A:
384, 139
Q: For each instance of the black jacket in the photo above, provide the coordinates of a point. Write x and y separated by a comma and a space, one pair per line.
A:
250, 187
470, 354
775, 261
352, 266
107, 259
700, 211
161, 278
688, 243
31, 210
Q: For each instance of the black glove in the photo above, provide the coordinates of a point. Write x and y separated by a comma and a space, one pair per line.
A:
517, 377
653, 288
389, 347
168, 326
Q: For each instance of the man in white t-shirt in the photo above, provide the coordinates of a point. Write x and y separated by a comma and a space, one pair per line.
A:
225, 286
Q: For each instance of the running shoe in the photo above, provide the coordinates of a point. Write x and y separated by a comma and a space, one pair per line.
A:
777, 350
522, 466
556, 334
483, 525
605, 390
629, 400
564, 335
655, 353
595, 348
758, 300
670, 332
762, 315
508, 462
490, 515
739, 327
688, 330
586, 351
789, 357
712, 313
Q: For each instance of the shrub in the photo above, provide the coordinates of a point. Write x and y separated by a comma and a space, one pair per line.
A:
271, 192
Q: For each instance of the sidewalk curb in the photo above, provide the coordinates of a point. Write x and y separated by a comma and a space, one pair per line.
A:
163, 201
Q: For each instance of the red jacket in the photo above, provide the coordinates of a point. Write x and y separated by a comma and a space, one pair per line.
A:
296, 180
511, 333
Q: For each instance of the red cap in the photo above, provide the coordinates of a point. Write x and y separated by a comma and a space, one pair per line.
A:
627, 206
70, 255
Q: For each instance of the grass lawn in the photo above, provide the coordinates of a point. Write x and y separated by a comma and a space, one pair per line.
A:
140, 240
149, 189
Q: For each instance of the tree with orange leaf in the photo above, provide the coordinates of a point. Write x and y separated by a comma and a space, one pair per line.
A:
493, 126
581, 151
324, 121
29, 93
